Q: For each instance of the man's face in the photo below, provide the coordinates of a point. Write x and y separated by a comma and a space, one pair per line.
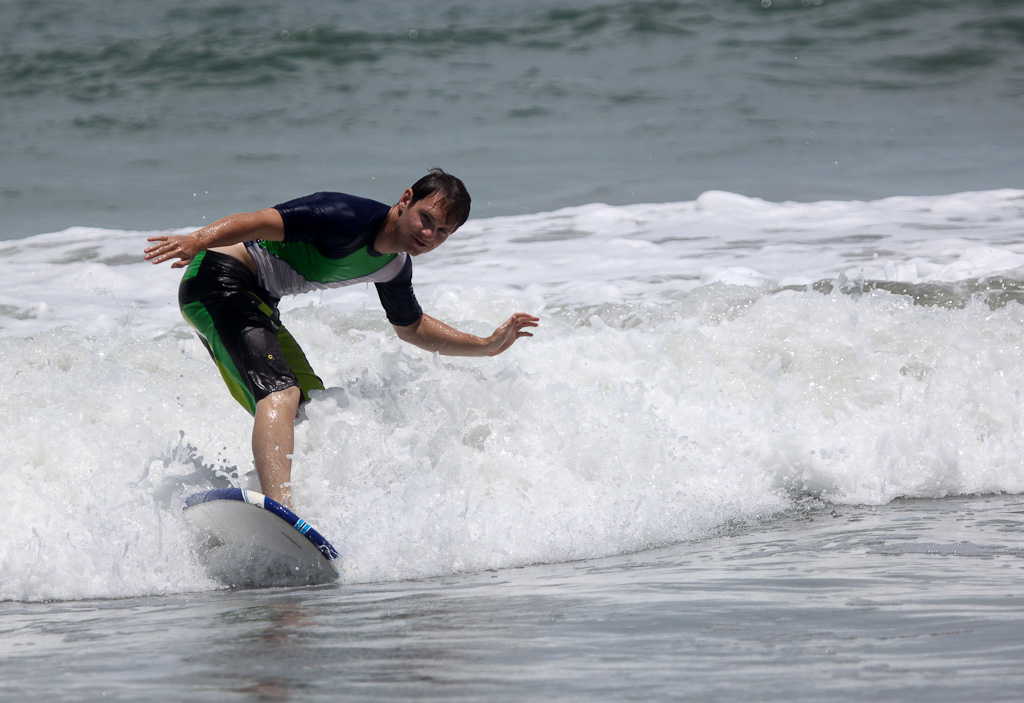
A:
424, 225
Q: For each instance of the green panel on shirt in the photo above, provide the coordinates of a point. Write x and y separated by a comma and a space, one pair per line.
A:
314, 266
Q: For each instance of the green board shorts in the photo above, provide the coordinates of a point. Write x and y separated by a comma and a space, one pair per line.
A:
239, 324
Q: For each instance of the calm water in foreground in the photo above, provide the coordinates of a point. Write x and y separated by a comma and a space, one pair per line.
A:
916, 600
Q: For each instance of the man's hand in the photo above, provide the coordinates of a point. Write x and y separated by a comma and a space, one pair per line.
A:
184, 247
510, 331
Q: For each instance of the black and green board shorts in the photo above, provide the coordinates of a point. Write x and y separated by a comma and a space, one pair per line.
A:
238, 322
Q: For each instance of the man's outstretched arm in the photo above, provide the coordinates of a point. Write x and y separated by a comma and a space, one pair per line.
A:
233, 229
435, 336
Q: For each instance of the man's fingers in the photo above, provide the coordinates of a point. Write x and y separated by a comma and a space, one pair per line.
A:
166, 248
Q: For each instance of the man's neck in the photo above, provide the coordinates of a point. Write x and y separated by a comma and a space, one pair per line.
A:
385, 241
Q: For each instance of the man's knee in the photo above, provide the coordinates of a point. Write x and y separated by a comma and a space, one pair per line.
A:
290, 395
287, 398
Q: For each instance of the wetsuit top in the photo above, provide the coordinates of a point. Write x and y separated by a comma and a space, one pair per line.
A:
328, 243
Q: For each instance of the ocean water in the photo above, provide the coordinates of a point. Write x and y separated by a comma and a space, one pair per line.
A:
143, 115
766, 444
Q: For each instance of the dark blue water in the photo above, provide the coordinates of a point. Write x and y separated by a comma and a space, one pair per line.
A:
133, 114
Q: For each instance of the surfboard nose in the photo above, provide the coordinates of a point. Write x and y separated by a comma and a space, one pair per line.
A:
246, 540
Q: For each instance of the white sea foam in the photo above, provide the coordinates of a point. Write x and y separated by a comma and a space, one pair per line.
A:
685, 377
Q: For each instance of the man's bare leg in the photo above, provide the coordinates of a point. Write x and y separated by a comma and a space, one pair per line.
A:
273, 441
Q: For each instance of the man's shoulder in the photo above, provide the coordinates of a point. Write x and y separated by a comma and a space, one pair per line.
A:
334, 204
330, 215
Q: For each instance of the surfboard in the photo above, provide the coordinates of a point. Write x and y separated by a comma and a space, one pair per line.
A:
246, 540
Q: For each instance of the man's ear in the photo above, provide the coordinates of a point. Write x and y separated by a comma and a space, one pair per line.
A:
405, 200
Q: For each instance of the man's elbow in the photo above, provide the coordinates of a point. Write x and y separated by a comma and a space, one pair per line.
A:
408, 333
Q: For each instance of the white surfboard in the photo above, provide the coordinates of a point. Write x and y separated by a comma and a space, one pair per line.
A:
247, 540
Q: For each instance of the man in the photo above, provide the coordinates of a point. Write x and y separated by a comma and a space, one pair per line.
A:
238, 268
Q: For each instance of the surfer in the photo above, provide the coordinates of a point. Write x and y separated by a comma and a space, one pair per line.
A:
238, 268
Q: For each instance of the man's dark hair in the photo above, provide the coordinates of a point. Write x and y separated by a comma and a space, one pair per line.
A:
454, 196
